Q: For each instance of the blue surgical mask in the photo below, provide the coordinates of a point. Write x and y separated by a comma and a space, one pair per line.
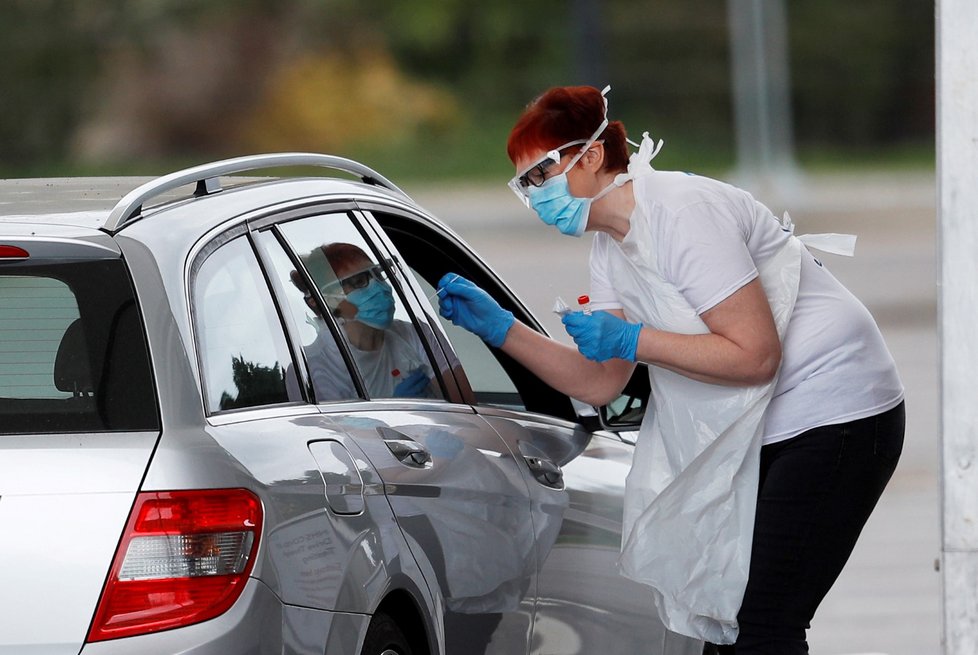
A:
554, 204
374, 303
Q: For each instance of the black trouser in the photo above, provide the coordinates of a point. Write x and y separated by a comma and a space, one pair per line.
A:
816, 492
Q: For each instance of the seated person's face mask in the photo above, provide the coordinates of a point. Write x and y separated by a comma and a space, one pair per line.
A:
374, 303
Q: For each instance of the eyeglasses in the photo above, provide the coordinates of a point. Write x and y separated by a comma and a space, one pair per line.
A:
536, 174
353, 281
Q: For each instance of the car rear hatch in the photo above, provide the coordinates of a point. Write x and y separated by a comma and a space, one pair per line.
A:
78, 424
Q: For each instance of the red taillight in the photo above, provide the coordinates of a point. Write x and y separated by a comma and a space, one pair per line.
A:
13, 252
184, 558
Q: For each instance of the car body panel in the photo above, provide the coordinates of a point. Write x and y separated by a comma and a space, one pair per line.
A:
312, 556
63, 502
584, 604
54, 240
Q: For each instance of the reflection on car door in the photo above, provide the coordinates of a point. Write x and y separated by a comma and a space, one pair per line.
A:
461, 501
583, 604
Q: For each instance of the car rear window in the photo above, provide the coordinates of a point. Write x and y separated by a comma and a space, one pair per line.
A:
73, 355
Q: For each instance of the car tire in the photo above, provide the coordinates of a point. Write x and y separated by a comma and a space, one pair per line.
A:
385, 637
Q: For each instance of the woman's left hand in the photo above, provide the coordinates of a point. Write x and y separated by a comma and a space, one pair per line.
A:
602, 336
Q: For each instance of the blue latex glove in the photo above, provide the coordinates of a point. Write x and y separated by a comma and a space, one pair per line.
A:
469, 307
414, 385
602, 336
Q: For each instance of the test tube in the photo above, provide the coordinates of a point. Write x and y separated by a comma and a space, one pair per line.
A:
584, 301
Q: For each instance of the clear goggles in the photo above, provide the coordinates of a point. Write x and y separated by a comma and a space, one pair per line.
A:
353, 281
536, 174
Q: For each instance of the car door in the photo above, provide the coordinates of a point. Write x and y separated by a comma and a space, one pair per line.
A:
456, 490
575, 472
328, 532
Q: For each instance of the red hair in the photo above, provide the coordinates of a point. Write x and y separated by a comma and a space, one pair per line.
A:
563, 114
345, 256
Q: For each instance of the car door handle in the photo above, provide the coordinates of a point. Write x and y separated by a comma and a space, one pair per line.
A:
410, 452
545, 471
407, 451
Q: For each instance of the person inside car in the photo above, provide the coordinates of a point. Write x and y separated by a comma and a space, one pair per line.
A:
388, 351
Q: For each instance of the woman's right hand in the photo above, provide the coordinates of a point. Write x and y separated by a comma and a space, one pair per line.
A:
414, 385
469, 307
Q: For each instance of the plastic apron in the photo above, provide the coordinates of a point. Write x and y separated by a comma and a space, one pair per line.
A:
692, 490
691, 495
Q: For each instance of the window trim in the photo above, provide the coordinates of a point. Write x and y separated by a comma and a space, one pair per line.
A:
199, 258
292, 330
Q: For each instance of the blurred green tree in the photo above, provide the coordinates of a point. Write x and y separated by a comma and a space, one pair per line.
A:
48, 55
863, 73
124, 81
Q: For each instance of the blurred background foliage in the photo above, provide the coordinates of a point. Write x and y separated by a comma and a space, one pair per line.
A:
430, 88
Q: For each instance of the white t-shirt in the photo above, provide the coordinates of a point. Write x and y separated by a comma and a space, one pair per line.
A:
708, 239
401, 350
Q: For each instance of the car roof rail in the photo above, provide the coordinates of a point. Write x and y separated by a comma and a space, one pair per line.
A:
205, 177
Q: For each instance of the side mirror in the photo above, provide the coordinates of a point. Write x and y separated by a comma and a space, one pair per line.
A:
625, 413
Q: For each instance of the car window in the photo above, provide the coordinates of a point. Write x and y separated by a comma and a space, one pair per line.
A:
73, 354
31, 342
244, 357
489, 381
495, 378
327, 367
341, 273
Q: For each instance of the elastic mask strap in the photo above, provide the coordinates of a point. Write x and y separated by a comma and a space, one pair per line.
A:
597, 132
611, 187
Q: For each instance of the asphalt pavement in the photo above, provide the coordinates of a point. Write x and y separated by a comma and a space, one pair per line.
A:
887, 600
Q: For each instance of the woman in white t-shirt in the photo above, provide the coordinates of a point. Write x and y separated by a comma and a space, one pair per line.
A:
695, 278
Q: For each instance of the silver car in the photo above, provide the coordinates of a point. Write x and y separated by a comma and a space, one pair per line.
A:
232, 421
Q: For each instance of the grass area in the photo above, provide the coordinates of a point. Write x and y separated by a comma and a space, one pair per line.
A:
71, 168
477, 153
896, 157
481, 156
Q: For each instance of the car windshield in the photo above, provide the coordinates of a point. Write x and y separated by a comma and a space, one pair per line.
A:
73, 356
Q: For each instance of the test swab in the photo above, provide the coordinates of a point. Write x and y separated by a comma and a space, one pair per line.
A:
442, 288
